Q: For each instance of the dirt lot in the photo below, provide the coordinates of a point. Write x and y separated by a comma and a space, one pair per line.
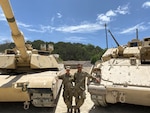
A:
88, 107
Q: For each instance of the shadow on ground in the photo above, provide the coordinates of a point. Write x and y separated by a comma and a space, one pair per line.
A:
120, 108
18, 108
116, 108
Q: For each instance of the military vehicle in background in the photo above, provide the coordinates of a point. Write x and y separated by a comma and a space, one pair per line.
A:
28, 75
124, 72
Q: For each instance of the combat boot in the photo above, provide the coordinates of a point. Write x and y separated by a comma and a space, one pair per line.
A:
69, 110
77, 110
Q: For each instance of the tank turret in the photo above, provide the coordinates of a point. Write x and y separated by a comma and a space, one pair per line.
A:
23, 57
145, 51
26, 74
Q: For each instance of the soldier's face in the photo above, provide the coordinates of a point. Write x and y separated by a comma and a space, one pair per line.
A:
79, 69
67, 71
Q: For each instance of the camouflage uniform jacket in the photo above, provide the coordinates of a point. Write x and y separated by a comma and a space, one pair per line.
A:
79, 79
67, 81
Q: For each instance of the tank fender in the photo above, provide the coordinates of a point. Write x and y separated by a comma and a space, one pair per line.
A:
97, 89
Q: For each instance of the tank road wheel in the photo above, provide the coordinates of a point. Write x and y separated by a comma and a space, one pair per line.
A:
102, 100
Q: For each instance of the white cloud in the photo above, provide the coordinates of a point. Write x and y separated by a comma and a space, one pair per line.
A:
123, 9
52, 20
5, 39
59, 15
40, 29
31, 27
47, 28
75, 39
110, 13
2, 17
23, 25
132, 29
146, 4
107, 17
35, 30
103, 18
83, 28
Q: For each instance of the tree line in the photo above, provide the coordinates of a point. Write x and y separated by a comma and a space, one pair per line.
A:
66, 50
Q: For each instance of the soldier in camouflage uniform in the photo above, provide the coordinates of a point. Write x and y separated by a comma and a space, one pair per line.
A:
97, 73
68, 87
79, 79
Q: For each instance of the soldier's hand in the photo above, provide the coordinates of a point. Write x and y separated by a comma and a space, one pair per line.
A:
97, 79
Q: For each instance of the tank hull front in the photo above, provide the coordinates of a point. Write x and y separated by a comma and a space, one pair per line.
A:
41, 89
131, 95
122, 82
13, 95
101, 95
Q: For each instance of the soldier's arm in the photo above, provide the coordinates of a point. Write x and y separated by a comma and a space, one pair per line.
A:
91, 76
88, 75
60, 77
74, 77
71, 78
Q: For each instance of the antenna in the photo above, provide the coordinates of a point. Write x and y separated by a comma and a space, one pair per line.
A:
106, 35
137, 37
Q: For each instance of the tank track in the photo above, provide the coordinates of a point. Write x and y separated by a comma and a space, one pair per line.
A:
42, 98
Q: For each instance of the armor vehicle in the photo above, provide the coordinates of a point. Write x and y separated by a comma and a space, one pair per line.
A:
124, 73
26, 74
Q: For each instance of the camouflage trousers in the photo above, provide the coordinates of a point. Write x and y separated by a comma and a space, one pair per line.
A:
67, 96
80, 96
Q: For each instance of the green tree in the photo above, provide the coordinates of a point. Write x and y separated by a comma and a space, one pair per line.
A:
67, 50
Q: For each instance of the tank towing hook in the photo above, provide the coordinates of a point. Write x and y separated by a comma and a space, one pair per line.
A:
26, 105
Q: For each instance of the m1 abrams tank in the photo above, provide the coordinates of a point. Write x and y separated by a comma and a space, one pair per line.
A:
28, 75
124, 72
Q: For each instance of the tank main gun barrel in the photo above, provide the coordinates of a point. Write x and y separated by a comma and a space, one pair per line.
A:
114, 38
17, 35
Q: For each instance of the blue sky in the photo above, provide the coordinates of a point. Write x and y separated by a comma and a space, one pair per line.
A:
79, 21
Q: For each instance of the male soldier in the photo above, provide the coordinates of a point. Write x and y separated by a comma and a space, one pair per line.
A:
97, 72
67, 80
79, 79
